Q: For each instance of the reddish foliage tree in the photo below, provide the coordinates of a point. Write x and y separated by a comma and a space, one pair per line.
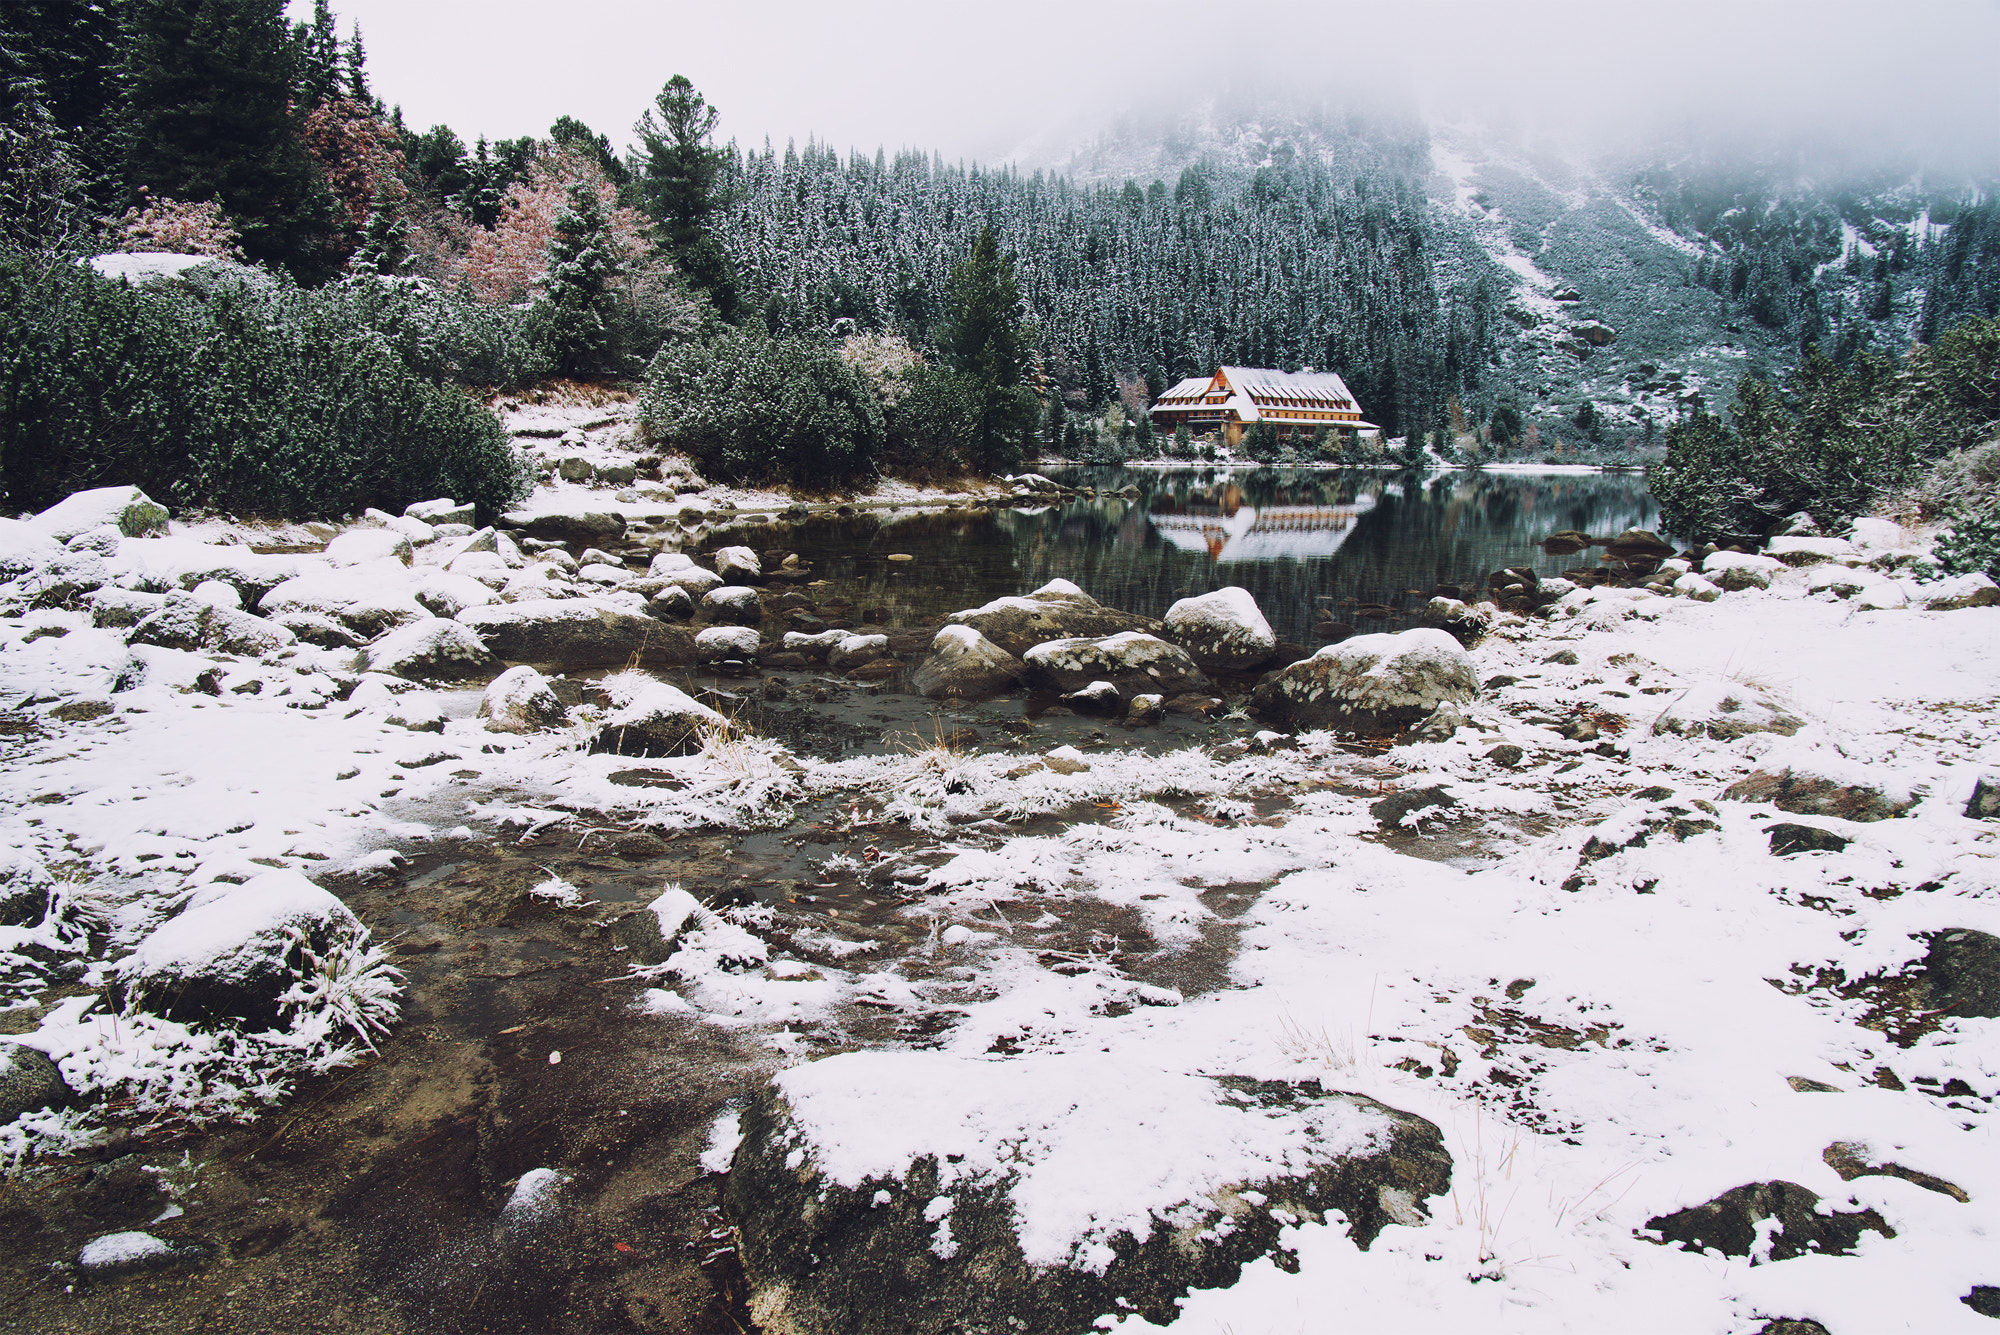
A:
174, 226
509, 261
360, 156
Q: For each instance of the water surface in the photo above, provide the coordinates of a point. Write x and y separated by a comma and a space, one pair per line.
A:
1367, 546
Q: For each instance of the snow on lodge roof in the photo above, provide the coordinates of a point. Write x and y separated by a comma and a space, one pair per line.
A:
1254, 393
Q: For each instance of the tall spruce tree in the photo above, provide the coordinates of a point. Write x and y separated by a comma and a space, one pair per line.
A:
209, 116
68, 51
577, 309
676, 171
40, 186
987, 345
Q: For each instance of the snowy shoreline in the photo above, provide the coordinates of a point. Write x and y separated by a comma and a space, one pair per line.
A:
1589, 968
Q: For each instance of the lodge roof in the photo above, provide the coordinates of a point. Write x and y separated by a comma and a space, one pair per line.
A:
1250, 389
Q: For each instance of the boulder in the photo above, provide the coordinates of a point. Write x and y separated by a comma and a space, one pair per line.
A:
718, 642
577, 632
29, 1082
217, 594
815, 646
1400, 813
1132, 661
1788, 838
433, 650
1962, 973
1984, 804
733, 604
1056, 611
1223, 631
322, 631
1029, 1201
234, 952
24, 549
441, 511
672, 602
444, 594
963, 665
1464, 622
656, 719
520, 700
1736, 1224
187, 623
1146, 709
116, 608
1638, 544
1100, 697
1960, 592
131, 511
579, 526
738, 565
1594, 332
359, 546
1805, 551
1565, 542
1812, 795
851, 651
574, 468
131, 1252
616, 475
1375, 685
1697, 587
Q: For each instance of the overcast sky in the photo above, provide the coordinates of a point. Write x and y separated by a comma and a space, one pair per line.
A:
1021, 79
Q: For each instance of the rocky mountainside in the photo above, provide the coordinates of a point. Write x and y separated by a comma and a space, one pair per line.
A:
1640, 285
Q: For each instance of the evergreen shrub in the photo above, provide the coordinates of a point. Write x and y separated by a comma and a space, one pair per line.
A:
252, 396
756, 408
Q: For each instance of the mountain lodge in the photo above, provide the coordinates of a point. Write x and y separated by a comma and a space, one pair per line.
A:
1235, 397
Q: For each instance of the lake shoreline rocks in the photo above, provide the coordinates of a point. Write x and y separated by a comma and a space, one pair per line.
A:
1520, 841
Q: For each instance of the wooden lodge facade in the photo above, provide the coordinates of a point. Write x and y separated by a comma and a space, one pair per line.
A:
1229, 402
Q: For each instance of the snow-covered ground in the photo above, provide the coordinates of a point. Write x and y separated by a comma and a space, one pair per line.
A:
1590, 970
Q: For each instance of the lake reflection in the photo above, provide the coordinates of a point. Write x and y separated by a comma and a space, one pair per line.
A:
1297, 541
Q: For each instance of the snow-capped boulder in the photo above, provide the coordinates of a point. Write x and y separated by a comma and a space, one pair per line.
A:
365, 598
1843, 581
317, 629
1808, 551
69, 575
444, 510
1464, 622
535, 581
962, 665
1880, 535
488, 567
359, 546
1805, 794
577, 632
1223, 631
131, 511
1056, 611
598, 572
1883, 597
1130, 660
718, 642
217, 594
671, 603
655, 719
1960, 592
680, 930
234, 951
668, 563
29, 1082
815, 646
161, 564
433, 650
1375, 685
1697, 587
130, 1252
24, 548
1736, 571
851, 651
519, 700
418, 532
122, 607
930, 1191
1724, 711
737, 604
1739, 1223
186, 622
1099, 697
738, 565
693, 578
444, 594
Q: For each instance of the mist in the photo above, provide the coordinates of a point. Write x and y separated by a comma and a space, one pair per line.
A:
1843, 82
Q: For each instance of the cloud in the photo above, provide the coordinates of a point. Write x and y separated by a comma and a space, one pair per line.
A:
981, 81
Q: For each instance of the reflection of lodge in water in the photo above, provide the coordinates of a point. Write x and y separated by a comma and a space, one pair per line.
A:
1247, 533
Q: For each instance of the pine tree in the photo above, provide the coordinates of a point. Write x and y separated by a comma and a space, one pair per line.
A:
577, 307
986, 344
384, 240
69, 52
675, 182
208, 116
40, 187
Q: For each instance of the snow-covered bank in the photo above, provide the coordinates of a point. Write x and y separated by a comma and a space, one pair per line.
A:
1563, 930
